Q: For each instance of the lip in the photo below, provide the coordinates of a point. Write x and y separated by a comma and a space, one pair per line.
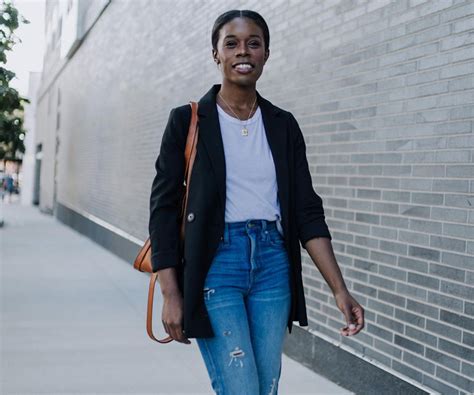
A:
248, 71
244, 71
242, 62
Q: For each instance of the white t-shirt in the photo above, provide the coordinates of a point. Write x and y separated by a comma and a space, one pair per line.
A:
251, 185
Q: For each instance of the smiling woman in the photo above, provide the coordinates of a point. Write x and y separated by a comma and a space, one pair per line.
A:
250, 204
240, 47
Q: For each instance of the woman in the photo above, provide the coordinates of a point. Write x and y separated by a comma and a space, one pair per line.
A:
250, 204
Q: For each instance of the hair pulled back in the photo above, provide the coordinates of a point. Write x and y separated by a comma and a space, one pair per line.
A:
230, 15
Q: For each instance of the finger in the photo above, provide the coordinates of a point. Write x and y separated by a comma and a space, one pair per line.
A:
359, 316
165, 326
170, 331
174, 333
346, 330
178, 334
181, 337
349, 318
356, 330
353, 325
185, 339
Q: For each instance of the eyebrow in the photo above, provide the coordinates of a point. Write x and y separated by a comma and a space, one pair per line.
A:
234, 36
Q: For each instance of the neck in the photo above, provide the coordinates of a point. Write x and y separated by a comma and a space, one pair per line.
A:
239, 97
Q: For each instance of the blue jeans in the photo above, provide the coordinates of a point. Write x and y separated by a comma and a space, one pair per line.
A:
248, 297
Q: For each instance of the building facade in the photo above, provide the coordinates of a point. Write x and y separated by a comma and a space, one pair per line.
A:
30, 172
384, 93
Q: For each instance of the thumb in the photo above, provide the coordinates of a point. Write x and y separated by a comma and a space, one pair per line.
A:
349, 318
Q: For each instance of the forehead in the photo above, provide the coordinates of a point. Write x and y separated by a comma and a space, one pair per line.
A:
241, 27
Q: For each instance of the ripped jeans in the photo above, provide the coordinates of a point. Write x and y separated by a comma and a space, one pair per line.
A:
248, 297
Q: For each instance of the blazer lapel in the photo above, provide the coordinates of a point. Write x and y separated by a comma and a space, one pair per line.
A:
275, 129
277, 135
211, 137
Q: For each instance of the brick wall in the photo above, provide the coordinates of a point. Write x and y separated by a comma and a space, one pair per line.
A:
384, 93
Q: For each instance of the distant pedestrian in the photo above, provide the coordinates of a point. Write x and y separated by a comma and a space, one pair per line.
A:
251, 203
9, 186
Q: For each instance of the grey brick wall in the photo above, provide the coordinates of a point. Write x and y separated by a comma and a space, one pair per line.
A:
384, 92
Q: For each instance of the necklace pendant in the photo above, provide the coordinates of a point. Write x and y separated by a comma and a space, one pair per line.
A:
245, 132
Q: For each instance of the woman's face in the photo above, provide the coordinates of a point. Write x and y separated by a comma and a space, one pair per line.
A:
241, 52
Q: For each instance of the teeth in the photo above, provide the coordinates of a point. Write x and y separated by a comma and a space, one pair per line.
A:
243, 66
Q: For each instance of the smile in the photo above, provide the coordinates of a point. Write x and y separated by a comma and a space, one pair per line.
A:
244, 68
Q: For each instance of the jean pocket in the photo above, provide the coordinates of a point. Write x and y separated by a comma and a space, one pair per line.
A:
276, 239
222, 245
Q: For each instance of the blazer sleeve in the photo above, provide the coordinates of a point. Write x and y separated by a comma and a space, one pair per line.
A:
166, 194
309, 205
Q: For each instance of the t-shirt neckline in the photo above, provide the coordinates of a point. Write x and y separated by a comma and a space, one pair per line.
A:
232, 119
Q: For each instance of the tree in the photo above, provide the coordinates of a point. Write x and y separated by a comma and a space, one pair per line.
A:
12, 133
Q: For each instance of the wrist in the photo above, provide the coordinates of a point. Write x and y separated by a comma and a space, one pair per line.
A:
168, 282
340, 291
170, 293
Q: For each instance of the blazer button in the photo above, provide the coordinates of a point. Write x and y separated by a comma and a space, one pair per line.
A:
190, 217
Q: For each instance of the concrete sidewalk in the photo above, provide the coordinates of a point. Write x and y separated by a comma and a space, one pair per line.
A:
73, 321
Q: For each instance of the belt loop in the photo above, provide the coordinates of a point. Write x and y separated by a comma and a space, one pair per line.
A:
263, 232
226, 233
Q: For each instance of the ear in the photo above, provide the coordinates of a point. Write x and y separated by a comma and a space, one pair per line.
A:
267, 55
214, 56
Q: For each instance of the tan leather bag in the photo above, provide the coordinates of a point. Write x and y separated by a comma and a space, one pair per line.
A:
143, 259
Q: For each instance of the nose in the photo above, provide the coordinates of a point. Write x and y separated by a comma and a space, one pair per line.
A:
242, 49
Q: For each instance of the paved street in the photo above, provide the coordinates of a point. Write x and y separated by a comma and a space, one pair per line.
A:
73, 321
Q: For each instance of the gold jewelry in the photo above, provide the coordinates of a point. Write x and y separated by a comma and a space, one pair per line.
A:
245, 131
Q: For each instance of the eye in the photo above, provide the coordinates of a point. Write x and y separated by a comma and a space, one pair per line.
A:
254, 44
230, 43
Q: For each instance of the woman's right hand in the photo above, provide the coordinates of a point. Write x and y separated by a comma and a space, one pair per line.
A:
172, 317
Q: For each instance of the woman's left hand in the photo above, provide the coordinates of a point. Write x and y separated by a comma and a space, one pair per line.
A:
353, 313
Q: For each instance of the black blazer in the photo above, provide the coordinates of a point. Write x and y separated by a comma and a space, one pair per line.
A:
302, 211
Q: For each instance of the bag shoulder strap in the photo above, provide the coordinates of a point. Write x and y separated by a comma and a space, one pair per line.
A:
189, 155
190, 141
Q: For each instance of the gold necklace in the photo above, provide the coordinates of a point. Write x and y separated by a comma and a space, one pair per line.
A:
245, 131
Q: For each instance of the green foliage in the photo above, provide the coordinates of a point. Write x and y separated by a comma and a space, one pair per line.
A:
12, 133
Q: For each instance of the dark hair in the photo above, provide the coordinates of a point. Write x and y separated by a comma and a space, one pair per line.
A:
229, 15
